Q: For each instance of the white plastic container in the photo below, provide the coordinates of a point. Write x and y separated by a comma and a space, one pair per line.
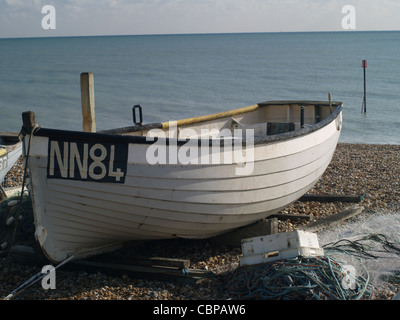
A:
280, 246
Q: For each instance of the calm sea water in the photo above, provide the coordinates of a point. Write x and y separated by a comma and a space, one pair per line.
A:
179, 76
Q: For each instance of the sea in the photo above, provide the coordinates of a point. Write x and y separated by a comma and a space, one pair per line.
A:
187, 75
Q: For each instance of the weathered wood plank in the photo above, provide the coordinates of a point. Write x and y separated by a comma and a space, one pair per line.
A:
170, 274
260, 228
333, 220
142, 261
286, 216
165, 269
331, 198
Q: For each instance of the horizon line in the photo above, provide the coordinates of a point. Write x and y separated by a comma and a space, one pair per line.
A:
188, 34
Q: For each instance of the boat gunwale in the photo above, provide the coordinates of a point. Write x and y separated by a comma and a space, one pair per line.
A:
9, 141
117, 135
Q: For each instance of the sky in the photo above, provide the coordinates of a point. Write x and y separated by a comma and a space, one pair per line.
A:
23, 18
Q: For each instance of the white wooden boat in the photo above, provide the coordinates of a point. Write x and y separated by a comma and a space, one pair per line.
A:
10, 151
93, 192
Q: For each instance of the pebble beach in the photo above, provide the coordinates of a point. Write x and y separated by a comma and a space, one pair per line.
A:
370, 171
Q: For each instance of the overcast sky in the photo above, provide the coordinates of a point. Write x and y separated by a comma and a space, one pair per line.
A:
23, 18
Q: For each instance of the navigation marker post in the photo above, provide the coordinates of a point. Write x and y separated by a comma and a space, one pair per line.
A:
364, 104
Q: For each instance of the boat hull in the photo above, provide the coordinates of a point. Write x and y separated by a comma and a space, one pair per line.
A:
87, 215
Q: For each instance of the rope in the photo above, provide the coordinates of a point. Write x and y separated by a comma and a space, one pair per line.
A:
17, 217
364, 246
38, 276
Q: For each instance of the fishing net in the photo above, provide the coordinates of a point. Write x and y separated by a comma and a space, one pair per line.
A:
374, 240
318, 278
13, 212
359, 258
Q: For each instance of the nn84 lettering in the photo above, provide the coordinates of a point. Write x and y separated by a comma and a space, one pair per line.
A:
92, 161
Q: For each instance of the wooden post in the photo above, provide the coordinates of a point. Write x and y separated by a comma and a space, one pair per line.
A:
87, 99
29, 121
302, 116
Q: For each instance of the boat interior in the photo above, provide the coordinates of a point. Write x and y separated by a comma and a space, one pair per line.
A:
8, 141
267, 118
